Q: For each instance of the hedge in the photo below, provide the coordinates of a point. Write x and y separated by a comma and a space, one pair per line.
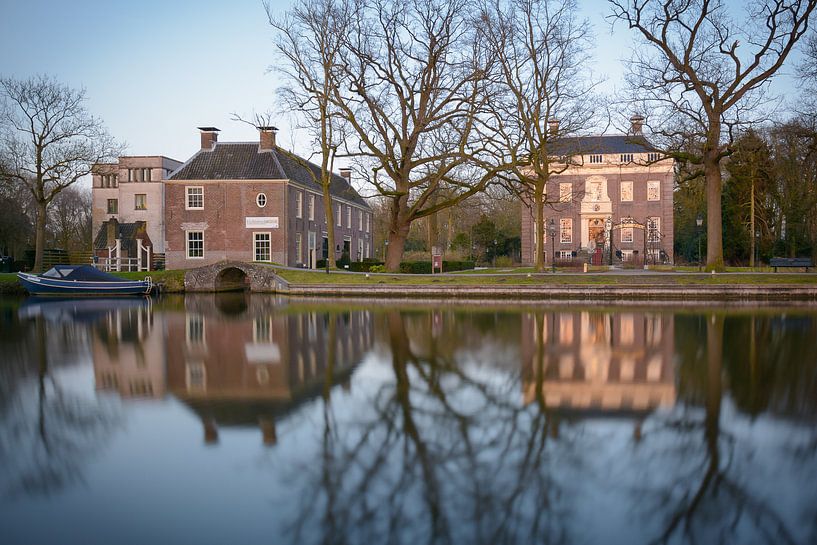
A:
424, 267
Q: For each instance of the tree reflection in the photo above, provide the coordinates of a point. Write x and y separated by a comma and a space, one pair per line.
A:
709, 495
445, 457
48, 432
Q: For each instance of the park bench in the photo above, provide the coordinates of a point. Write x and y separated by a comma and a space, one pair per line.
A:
797, 262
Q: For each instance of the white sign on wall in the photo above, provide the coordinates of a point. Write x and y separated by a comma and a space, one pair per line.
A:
261, 222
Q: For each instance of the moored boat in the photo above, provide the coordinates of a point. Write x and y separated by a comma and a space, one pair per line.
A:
82, 280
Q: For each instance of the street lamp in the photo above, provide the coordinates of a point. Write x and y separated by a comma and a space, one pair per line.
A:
757, 247
552, 233
699, 221
608, 226
385, 249
494, 260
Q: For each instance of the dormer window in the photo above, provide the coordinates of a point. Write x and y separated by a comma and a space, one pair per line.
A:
596, 158
625, 158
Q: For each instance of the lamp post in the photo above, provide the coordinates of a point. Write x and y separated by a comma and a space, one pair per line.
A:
493, 264
757, 248
608, 226
552, 233
699, 221
385, 249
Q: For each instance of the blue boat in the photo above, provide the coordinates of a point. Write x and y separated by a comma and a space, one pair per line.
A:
83, 280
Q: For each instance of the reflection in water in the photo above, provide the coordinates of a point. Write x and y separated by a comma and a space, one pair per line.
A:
415, 425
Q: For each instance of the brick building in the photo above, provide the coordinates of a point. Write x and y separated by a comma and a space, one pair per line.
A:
611, 177
253, 201
132, 190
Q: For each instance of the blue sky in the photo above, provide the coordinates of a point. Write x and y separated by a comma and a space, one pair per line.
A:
155, 70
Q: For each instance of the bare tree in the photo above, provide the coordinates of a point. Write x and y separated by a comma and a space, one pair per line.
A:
48, 141
309, 40
70, 219
411, 87
702, 74
544, 91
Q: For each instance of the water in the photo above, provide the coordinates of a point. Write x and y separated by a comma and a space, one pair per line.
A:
238, 419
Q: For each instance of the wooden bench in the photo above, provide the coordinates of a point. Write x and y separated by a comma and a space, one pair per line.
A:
795, 262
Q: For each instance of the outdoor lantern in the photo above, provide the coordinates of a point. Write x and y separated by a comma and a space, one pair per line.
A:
699, 221
552, 228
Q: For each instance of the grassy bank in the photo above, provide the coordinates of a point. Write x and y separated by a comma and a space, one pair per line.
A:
173, 281
607, 278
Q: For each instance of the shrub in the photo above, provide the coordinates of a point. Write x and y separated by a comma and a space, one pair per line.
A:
504, 261
363, 266
424, 267
377, 268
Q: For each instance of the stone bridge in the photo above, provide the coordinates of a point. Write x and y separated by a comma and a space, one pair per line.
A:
234, 276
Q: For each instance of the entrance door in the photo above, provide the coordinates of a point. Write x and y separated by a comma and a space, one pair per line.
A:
596, 234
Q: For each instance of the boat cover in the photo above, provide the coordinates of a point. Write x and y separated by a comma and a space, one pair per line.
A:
85, 273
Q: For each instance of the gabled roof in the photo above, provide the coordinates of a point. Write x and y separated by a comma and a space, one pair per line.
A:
124, 231
244, 161
620, 143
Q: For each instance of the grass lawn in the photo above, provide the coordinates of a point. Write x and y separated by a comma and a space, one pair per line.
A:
309, 277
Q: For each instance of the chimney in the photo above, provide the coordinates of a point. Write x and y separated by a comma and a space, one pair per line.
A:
553, 126
209, 137
636, 124
112, 231
347, 174
267, 138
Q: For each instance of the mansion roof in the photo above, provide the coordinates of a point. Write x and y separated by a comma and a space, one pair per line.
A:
620, 143
244, 161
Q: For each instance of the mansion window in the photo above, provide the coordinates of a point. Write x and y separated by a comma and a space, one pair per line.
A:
595, 191
652, 157
653, 229
360, 221
653, 191
113, 206
368, 223
565, 192
566, 231
195, 198
349, 217
298, 248
108, 180
312, 208
596, 158
141, 201
340, 215
626, 191
299, 204
263, 247
261, 200
626, 234
625, 158
139, 175
195, 244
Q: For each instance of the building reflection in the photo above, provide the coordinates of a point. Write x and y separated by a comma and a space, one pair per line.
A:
128, 347
598, 362
256, 363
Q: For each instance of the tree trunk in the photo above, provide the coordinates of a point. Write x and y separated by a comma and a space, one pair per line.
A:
397, 241
39, 237
714, 228
328, 212
539, 243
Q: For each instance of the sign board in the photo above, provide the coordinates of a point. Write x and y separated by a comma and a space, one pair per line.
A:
261, 222
436, 263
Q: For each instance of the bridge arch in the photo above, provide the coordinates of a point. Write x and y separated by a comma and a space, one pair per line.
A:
234, 276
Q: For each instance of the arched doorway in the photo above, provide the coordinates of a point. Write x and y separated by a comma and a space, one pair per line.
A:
232, 279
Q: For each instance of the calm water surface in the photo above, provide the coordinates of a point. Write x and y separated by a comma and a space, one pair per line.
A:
238, 419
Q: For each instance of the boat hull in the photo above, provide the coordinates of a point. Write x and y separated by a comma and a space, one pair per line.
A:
39, 285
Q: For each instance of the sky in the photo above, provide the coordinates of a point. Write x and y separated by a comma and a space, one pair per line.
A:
156, 70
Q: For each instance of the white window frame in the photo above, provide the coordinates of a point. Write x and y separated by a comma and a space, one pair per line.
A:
255, 236
136, 201
653, 229
368, 223
187, 190
625, 158
625, 239
653, 156
311, 207
654, 184
187, 244
258, 199
596, 158
565, 196
299, 247
190, 318
360, 249
116, 206
629, 184
348, 217
299, 204
566, 226
360, 220
340, 215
